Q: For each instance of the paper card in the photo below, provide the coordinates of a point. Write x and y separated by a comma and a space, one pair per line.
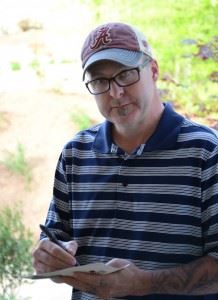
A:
98, 268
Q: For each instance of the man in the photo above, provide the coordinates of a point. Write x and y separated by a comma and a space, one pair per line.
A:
139, 189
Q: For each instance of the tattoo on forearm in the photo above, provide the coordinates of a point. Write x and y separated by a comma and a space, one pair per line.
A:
196, 278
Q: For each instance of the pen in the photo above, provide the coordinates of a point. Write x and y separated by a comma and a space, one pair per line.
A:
53, 238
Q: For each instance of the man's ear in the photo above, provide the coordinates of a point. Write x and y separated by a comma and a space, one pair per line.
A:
154, 70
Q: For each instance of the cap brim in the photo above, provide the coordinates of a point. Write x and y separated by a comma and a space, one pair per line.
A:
122, 56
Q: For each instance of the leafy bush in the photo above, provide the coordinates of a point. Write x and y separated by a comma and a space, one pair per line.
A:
15, 256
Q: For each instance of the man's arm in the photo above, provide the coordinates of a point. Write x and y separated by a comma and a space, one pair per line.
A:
199, 277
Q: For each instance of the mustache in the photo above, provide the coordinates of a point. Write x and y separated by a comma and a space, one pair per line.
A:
116, 103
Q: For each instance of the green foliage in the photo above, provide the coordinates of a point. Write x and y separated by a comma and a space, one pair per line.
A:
15, 66
81, 119
18, 164
36, 66
15, 255
180, 33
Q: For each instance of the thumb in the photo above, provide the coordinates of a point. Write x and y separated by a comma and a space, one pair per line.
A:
118, 263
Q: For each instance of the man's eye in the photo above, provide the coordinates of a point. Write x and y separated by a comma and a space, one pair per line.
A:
125, 75
99, 81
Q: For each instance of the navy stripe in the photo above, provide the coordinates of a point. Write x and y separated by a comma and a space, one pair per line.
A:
138, 255
143, 236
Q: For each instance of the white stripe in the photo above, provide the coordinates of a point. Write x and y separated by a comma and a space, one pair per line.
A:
166, 228
136, 171
135, 245
175, 189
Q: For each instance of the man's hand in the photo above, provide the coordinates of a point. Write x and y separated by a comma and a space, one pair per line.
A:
49, 257
117, 284
198, 277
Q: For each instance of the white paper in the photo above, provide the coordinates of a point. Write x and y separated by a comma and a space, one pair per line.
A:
98, 268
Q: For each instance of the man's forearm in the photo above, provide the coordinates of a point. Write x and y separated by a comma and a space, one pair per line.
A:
199, 277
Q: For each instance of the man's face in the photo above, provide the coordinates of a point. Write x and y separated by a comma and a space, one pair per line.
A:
123, 106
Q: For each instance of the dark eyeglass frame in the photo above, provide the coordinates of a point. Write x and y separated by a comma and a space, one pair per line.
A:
138, 69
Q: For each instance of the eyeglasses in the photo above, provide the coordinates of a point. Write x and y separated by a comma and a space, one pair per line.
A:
124, 78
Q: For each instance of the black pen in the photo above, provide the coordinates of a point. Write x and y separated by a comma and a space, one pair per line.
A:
53, 238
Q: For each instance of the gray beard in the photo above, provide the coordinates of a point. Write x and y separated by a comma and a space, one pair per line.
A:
123, 111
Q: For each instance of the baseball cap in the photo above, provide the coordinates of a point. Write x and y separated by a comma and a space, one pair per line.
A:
115, 41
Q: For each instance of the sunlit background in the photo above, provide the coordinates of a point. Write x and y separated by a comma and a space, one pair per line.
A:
43, 101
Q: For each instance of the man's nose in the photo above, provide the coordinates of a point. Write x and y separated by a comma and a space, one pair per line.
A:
116, 91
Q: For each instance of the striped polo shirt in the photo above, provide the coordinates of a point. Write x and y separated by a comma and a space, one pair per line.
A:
157, 207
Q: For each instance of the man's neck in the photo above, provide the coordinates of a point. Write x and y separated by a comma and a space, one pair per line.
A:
129, 138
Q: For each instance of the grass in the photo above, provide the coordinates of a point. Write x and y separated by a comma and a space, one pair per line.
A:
177, 30
18, 164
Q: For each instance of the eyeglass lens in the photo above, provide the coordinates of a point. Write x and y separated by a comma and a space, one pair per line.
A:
124, 78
